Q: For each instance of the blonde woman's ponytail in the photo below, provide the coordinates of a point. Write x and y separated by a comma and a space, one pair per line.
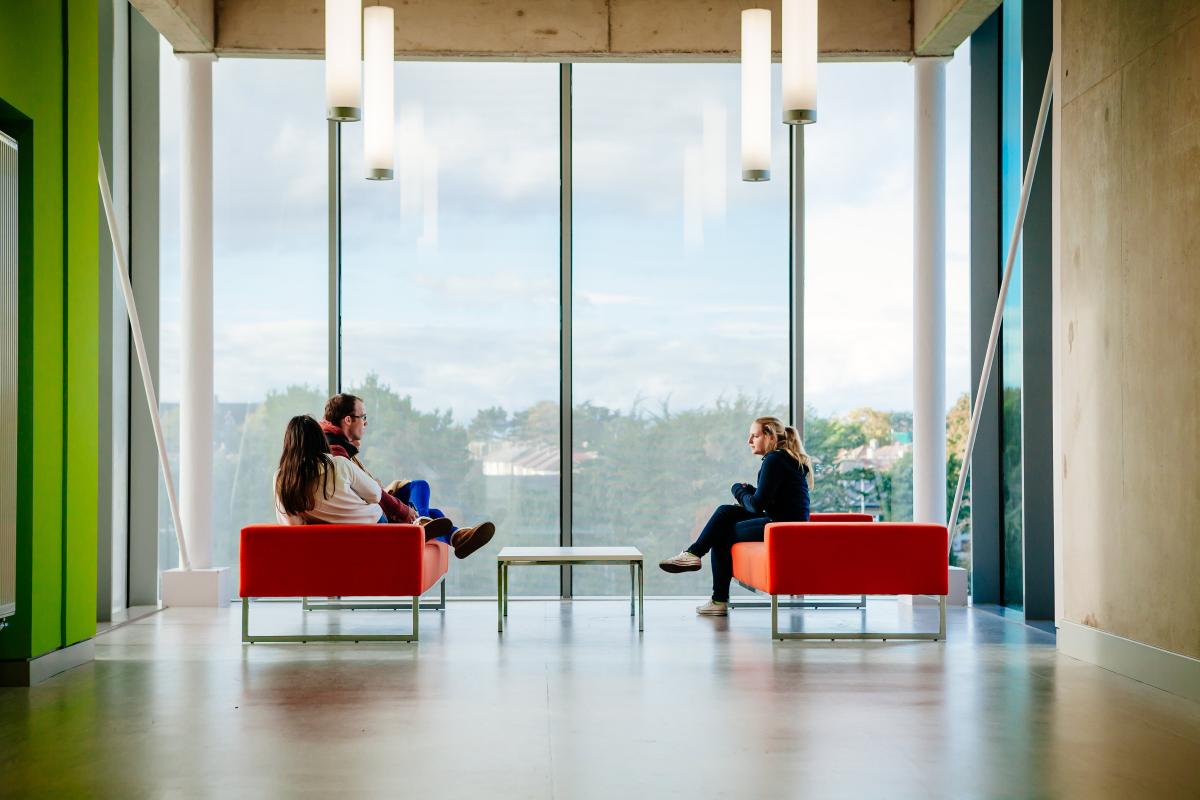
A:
787, 439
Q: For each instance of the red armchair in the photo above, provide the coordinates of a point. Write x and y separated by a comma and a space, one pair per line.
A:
338, 560
816, 516
846, 558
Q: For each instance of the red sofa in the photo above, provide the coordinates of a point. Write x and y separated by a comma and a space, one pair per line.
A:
839, 516
818, 557
338, 561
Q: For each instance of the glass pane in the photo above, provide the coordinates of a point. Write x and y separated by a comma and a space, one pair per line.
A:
958, 294
168, 289
859, 291
269, 278
450, 303
680, 309
1011, 339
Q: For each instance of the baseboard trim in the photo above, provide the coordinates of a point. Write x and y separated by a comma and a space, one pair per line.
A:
32, 671
1171, 672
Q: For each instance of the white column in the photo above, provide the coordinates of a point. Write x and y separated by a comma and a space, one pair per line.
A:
929, 293
196, 288
202, 585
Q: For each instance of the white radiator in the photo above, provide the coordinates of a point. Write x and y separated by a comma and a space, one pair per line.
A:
8, 375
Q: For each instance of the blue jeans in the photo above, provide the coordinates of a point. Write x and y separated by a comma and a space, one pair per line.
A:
727, 526
416, 494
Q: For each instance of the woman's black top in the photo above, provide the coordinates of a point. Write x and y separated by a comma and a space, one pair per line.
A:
782, 493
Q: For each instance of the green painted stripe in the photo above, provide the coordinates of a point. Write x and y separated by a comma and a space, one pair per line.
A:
66, 248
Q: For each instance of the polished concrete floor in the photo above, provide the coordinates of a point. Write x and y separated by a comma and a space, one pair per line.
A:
571, 702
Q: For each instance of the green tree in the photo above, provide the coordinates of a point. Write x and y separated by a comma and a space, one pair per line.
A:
490, 423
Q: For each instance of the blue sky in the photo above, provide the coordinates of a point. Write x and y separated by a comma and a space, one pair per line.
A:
680, 268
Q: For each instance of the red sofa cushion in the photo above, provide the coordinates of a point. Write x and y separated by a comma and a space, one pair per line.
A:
846, 558
339, 560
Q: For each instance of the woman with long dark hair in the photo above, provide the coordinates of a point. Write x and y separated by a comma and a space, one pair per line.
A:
784, 481
312, 486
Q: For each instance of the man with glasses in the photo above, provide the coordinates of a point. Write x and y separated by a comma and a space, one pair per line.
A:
402, 501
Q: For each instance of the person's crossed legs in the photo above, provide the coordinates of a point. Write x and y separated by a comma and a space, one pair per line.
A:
728, 525
464, 541
747, 530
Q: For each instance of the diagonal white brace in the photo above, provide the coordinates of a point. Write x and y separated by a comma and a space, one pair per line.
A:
135, 325
1035, 151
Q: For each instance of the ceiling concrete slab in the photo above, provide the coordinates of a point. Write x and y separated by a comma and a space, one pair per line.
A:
848, 29
551, 30
940, 26
189, 25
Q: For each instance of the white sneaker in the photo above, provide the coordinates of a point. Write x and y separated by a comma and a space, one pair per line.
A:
713, 609
684, 562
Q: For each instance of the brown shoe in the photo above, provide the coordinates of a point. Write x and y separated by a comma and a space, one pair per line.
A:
436, 528
467, 540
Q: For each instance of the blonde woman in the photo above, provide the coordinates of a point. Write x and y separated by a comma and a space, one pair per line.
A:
784, 481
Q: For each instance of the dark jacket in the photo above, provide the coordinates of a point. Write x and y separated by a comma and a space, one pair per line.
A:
339, 445
782, 493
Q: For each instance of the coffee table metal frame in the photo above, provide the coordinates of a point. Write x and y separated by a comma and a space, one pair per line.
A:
636, 578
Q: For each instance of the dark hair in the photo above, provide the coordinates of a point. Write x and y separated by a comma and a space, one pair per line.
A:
303, 464
339, 407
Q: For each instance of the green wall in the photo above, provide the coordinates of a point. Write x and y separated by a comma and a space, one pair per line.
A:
48, 77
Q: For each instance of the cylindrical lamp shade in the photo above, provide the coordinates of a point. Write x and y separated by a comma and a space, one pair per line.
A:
343, 59
799, 61
379, 120
756, 94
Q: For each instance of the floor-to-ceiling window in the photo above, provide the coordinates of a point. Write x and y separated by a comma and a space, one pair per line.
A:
858, 290
450, 303
450, 288
680, 308
269, 278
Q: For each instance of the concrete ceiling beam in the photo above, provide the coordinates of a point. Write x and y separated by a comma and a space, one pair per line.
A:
190, 26
940, 26
552, 30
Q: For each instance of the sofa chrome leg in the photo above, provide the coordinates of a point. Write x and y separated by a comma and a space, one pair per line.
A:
416, 617
834, 636
245, 619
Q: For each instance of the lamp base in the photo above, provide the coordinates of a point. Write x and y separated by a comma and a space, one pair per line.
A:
800, 116
377, 174
756, 175
197, 587
344, 113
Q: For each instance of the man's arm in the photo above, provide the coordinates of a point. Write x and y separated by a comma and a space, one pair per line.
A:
395, 510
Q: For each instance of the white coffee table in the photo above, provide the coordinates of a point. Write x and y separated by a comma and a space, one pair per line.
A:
557, 556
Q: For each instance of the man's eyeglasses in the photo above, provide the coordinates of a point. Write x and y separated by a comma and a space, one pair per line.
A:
363, 417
